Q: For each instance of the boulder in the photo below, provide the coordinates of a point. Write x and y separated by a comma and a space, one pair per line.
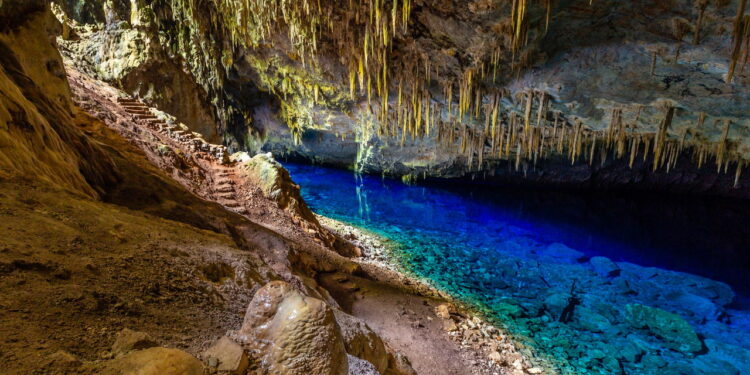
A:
228, 356
289, 333
128, 340
152, 361
676, 333
398, 364
737, 356
60, 362
444, 310
592, 321
272, 179
700, 308
562, 253
604, 267
360, 341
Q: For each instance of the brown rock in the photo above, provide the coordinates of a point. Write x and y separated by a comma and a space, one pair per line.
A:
449, 325
290, 333
128, 340
398, 364
229, 356
444, 310
496, 357
361, 342
152, 361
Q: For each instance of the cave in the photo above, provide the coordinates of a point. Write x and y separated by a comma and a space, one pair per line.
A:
374, 187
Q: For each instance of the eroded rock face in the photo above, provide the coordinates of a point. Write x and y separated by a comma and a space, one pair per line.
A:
121, 45
276, 184
288, 333
38, 137
362, 342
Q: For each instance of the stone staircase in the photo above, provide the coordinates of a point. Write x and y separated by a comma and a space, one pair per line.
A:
225, 193
223, 190
142, 114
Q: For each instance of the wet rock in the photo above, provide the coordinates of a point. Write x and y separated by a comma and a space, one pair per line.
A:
563, 253
152, 361
604, 267
290, 333
737, 356
227, 357
673, 330
592, 321
128, 340
700, 307
360, 341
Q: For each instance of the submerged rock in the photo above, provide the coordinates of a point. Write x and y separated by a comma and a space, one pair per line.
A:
604, 267
563, 253
676, 333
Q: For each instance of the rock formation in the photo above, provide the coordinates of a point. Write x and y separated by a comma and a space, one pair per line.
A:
575, 93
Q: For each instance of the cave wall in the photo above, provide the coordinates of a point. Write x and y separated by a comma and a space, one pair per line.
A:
38, 138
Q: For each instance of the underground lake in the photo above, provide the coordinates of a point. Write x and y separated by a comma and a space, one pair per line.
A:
599, 283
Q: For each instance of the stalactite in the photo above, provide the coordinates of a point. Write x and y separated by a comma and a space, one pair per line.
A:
721, 148
701, 5
661, 137
737, 173
740, 34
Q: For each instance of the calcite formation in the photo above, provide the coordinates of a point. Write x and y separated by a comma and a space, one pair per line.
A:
446, 88
290, 333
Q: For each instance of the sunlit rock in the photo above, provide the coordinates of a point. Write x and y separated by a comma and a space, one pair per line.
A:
288, 333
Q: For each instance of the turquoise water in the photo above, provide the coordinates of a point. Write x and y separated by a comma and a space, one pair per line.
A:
593, 283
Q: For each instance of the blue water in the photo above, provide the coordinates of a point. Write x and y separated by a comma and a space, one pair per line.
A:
500, 250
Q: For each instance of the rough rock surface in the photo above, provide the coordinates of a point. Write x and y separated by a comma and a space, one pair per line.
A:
153, 361
276, 184
128, 340
361, 342
675, 331
288, 333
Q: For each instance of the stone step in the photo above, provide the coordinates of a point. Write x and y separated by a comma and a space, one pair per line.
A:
231, 204
225, 189
135, 107
145, 117
227, 195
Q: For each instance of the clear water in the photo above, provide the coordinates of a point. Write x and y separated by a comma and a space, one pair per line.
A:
523, 256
